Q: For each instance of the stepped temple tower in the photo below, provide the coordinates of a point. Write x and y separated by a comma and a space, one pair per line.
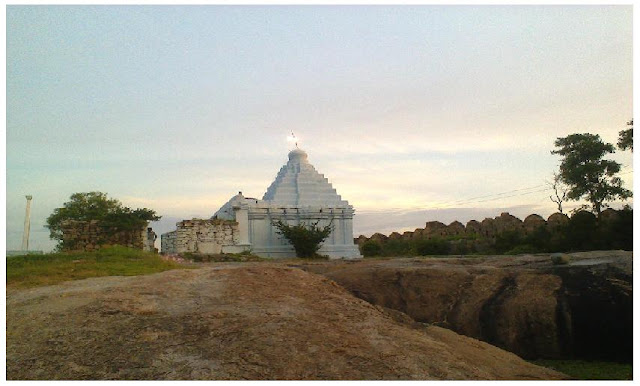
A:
299, 194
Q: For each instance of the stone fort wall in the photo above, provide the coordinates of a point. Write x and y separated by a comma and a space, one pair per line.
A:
90, 236
488, 228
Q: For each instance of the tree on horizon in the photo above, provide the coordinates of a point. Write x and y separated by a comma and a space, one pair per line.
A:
587, 174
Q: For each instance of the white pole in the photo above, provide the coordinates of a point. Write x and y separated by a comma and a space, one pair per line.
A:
27, 225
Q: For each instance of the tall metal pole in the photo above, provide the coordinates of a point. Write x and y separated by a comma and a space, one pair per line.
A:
27, 225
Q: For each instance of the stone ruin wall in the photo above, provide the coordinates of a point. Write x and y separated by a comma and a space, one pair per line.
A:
487, 229
89, 236
200, 236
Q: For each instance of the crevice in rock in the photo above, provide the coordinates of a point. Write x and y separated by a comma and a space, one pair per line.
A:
488, 313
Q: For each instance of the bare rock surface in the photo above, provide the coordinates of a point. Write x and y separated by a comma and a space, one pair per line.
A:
234, 321
524, 304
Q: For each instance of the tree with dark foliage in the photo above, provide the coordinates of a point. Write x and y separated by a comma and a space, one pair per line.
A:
586, 172
625, 137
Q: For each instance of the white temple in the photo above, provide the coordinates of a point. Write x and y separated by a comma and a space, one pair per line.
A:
299, 194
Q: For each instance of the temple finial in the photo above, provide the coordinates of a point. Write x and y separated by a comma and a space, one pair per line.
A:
293, 138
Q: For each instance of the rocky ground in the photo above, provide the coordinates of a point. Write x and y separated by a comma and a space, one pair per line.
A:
524, 304
238, 321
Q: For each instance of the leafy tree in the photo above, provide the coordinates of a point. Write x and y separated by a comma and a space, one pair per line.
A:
305, 239
97, 206
587, 174
625, 137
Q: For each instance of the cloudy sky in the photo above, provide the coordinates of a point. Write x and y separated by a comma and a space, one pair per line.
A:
414, 113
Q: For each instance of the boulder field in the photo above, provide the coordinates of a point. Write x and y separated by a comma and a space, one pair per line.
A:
248, 321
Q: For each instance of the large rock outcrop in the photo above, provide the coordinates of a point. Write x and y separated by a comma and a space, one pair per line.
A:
229, 321
524, 304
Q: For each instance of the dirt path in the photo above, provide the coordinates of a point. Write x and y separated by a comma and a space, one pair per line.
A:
233, 321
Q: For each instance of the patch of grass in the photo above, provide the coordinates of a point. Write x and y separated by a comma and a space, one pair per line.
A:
38, 270
585, 370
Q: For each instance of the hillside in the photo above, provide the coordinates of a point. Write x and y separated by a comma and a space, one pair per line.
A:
233, 321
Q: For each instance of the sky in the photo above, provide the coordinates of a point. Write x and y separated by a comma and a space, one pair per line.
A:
413, 113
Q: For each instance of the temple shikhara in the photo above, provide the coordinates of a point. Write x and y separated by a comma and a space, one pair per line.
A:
299, 194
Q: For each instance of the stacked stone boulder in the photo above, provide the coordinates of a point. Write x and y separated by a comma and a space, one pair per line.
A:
506, 222
533, 222
209, 236
455, 229
395, 236
473, 228
609, 215
434, 229
557, 220
379, 237
360, 239
91, 236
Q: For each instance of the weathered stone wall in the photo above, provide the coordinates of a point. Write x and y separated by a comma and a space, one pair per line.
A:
91, 236
200, 236
168, 242
488, 228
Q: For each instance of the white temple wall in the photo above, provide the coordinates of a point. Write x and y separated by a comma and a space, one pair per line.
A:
253, 230
265, 241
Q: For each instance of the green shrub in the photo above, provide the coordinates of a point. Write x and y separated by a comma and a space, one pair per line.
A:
371, 248
463, 246
397, 247
305, 239
507, 241
581, 232
616, 233
539, 240
520, 249
433, 246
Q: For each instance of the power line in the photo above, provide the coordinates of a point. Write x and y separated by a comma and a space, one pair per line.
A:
472, 200
489, 195
495, 198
